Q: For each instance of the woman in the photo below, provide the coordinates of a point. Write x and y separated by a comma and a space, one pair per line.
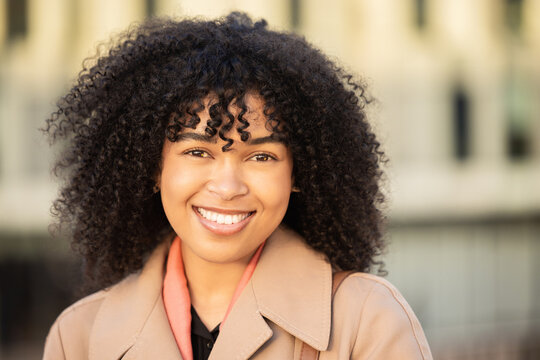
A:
218, 173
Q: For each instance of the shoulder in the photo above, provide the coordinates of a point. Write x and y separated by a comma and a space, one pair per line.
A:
377, 318
70, 334
373, 291
82, 311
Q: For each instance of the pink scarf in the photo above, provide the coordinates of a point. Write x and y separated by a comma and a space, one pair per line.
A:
178, 303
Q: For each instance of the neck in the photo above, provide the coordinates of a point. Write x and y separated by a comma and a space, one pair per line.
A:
211, 285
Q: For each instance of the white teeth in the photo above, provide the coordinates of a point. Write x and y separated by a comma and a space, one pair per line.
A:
222, 218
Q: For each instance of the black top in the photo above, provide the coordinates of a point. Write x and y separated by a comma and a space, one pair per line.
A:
202, 340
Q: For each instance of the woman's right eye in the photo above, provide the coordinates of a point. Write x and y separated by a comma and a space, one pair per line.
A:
198, 153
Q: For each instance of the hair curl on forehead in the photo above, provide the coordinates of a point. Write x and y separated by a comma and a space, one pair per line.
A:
150, 85
222, 120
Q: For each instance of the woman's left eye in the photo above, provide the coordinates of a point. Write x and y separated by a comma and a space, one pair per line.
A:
262, 157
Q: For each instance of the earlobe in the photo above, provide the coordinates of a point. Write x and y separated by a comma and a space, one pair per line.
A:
294, 187
157, 185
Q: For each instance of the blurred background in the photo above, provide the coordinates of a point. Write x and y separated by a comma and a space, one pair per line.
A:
458, 112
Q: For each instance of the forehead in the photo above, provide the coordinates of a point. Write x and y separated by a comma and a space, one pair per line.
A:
251, 103
251, 109
231, 123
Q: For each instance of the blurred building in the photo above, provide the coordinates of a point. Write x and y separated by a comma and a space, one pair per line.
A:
457, 84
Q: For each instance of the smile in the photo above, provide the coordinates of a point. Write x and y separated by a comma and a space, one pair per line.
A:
221, 218
223, 222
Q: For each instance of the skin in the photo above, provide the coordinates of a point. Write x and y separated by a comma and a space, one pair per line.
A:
253, 181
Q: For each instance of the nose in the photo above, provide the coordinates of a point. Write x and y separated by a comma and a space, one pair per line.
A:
227, 181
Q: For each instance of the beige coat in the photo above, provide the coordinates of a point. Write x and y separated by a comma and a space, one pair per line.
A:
288, 299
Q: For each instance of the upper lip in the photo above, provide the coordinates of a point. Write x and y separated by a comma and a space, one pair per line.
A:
224, 211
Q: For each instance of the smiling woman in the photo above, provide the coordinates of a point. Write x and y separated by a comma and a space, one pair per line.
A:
219, 176
224, 204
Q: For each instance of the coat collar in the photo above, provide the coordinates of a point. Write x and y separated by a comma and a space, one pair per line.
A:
130, 310
291, 287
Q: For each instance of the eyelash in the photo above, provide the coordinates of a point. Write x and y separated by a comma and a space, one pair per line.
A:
268, 157
199, 153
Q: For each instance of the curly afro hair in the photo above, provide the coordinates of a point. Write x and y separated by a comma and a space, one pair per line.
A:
115, 119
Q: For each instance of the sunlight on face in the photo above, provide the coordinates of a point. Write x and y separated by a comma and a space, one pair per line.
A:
223, 205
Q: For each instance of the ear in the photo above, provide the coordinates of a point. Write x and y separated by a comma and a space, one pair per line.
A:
157, 185
294, 188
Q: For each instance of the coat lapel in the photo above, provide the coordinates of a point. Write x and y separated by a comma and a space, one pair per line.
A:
245, 330
156, 340
292, 286
132, 318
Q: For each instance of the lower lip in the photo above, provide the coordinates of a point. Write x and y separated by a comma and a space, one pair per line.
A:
222, 229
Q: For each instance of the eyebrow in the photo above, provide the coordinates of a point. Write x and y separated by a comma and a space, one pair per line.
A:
264, 140
196, 137
213, 139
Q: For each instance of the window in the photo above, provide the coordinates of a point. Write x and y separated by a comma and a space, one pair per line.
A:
17, 19
518, 102
518, 143
150, 7
420, 13
460, 105
513, 13
295, 13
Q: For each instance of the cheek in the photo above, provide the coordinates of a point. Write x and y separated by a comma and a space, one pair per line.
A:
178, 184
172, 181
275, 190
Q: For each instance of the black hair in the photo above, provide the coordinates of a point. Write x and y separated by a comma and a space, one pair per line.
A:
149, 86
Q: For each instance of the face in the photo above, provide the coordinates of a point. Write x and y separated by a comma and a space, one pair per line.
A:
223, 205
